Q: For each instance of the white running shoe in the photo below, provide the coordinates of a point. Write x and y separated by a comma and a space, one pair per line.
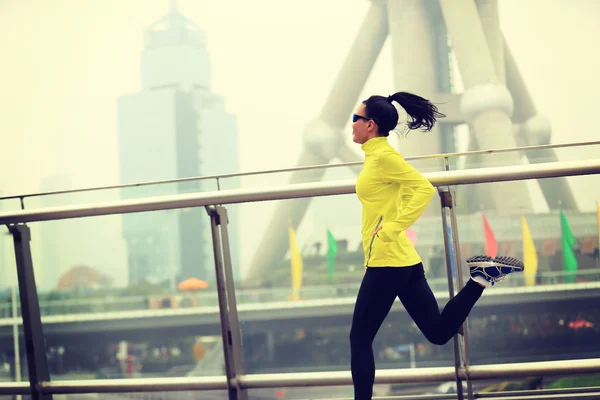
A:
488, 271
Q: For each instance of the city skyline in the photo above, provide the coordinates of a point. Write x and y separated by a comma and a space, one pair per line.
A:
274, 81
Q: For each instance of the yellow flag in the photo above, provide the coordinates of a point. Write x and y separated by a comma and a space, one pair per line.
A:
529, 254
296, 261
598, 212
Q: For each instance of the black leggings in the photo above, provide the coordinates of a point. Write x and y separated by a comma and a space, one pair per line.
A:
377, 293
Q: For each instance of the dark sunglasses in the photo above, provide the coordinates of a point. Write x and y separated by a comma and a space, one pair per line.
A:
356, 117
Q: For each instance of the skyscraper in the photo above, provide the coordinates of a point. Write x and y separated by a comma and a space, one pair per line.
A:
175, 127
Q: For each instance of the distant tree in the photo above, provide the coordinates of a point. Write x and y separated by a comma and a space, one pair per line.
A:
83, 277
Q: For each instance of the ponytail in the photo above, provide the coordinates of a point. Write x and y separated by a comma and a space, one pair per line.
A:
422, 112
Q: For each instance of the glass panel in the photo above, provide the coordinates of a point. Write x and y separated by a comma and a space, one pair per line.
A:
298, 393
112, 299
551, 315
310, 332
573, 381
537, 382
10, 369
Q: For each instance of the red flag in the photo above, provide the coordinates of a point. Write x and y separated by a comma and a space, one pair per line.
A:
491, 245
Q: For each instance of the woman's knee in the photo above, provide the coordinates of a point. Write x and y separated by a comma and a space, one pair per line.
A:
360, 336
353, 336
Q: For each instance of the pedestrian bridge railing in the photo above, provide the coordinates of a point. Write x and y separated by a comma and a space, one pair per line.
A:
236, 381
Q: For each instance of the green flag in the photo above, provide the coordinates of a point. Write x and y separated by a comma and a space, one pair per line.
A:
569, 260
331, 252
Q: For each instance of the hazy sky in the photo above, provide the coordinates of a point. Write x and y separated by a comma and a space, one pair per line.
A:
65, 62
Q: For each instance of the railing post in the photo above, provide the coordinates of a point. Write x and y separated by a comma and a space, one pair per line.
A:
459, 281
16, 341
230, 327
37, 362
451, 270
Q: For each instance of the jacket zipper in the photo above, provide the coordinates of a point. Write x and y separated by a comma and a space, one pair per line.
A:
373, 239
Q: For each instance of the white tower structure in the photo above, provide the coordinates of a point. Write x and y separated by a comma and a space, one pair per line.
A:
495, 103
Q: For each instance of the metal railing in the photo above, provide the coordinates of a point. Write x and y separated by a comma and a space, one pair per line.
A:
299, 190
236, 382
260, 381
219, 177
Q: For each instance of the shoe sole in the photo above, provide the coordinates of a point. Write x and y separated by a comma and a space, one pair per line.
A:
510, 262
502, 261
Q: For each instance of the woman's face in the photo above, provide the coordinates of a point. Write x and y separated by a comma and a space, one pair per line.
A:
363, 128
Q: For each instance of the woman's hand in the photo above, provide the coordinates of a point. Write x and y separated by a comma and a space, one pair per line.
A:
387, 235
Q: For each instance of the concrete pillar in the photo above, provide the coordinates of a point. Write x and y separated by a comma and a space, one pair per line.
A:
490, 22
477, 197
413, 65
414, 70
535, 130
355, 71
322, 137
486, 103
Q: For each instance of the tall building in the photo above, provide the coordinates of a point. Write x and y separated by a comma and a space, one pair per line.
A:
175, 127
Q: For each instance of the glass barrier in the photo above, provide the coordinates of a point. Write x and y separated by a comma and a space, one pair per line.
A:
105, 254
531, 385
292, 343
120, 296
563, 322
13, 365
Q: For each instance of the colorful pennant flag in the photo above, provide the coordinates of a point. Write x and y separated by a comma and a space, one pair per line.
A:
296, 263
568, 240
598, 212
332, 250
491, 245
530, 258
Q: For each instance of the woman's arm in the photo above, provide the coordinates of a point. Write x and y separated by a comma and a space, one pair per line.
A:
393, 168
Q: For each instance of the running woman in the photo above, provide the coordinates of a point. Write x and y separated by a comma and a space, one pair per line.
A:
393, 195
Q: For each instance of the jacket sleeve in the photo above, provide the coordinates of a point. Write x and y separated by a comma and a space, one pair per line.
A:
393, 168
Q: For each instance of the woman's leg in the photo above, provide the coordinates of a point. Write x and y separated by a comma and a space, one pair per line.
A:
376, 296
421, 305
